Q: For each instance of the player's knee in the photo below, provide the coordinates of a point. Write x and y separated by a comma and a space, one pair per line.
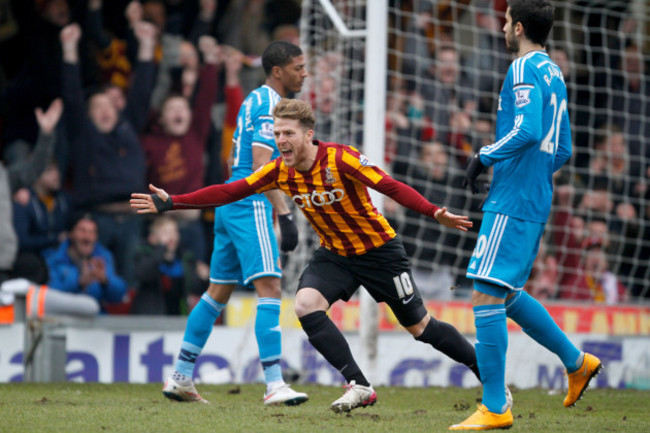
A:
220, 292
309, 300
268, 287
417, 329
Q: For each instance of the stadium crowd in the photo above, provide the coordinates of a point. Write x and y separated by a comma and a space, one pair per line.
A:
150, 93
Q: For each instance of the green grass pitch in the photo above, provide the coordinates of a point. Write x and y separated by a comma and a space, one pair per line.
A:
71, 407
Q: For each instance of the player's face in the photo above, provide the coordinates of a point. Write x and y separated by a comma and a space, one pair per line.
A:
293, 75
294, 143
512, 44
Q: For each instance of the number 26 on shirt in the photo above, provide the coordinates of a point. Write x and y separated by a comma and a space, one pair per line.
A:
550, 141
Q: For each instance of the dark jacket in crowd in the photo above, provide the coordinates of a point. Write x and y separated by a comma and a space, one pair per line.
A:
163, 286
38, 227
106, 168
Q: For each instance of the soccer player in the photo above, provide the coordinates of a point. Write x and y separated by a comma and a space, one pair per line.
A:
328, 182
533, 140
245, 250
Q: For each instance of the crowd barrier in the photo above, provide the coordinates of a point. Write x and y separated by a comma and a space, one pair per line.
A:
141, 349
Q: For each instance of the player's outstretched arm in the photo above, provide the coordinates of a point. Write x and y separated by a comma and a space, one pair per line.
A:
448, 219
157, 202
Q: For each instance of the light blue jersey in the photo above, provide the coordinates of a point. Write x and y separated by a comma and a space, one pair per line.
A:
254, 128
245, 247
533, 139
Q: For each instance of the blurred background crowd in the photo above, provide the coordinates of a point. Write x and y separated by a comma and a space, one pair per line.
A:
99, 98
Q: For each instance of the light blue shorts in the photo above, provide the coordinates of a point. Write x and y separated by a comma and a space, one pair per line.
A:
245, 247
505, 250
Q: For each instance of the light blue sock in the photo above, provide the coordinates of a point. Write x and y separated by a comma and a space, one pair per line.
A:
491, 346
269, 338
535, 321
197, 331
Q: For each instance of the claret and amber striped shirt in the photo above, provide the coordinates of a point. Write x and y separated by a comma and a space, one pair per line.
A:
332, 195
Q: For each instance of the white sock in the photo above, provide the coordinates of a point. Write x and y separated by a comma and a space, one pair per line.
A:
272, 386
180, 377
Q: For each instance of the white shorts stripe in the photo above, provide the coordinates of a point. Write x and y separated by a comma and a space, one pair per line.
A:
501, 231
263, 236
490, 243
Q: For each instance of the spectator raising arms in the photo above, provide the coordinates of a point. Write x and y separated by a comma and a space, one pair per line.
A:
42, 211
175, 148
19, 175
107, 160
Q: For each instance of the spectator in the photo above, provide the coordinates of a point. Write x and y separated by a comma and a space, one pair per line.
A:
107, 159
489, 60
610, 164
112, 56
404, 131
428, 243
242, 28
165, 273
571, 229
542, 283
594, 281
224, 119
21, 175
448, 104
581, 103
631, 101
41, 223
172, 53
324, 89
82, 265
175, 148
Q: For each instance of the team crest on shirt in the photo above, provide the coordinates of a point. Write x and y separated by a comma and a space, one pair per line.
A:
266, 130
363, 160
329, 177
522, 96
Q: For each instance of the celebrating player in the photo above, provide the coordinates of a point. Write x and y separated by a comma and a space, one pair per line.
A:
328, 182
533, 141
245, 250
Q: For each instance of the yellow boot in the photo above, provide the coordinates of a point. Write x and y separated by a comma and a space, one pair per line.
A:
483, 419
579, 379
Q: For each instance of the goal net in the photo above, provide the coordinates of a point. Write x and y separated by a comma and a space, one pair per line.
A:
446, 62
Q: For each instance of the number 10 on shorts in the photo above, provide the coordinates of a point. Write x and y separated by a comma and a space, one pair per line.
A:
403, 285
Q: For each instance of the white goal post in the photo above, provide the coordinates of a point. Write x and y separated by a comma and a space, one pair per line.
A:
373, 37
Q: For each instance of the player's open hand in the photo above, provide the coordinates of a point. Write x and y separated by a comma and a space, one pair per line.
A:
157, 202
446, 218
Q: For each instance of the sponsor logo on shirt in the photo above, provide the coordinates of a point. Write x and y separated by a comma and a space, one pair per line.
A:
318, 198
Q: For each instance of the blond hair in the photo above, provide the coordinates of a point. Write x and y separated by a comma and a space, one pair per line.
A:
297, 110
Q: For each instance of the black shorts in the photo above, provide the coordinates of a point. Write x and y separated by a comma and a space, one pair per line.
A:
385, 272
